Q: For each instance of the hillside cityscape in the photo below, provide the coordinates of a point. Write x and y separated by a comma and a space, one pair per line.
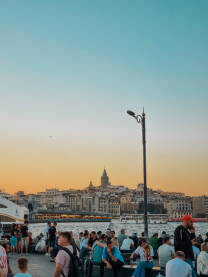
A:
109, 200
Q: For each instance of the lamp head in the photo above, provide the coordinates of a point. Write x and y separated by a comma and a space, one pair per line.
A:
131, 113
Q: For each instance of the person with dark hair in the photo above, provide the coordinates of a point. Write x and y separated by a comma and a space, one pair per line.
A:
23, 267
63, 258
135, 240
111, 258
52, 237
113, 238
146, 254
178, 266
92, 239
99, 234
84, 244
165, 252
98, 247
160, 240
25, 237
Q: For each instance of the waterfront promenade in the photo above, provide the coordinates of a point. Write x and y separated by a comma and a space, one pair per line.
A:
39, 265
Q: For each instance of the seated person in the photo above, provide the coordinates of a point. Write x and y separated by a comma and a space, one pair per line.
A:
146, 254
127, 245
178, 266
165, 252
111, 258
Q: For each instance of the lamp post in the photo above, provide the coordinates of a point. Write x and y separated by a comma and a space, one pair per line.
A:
140, 118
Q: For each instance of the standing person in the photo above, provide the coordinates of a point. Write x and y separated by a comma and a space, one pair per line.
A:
18, 238
25, 238
182, 240
114, 239
146, 254
51, 237
178, 266
13, 242
121, 237
3, 262
99, 234
154, 243
84, 244
165, 252
98, 247
92, 239
46, 237
202, 261
97, 253
111, 257
63, 258
23, 267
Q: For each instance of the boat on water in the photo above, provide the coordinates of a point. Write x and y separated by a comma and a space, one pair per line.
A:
11, 212
139, 219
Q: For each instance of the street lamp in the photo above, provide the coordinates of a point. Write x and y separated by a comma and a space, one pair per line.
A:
140, 118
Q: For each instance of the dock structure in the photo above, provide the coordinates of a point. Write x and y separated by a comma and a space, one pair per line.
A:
39, 265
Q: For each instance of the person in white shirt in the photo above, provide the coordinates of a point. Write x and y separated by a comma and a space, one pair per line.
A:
178, 266
127, 244
146, 254
202, 260
165, 252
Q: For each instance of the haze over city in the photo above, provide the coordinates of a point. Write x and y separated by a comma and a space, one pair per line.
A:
70, 70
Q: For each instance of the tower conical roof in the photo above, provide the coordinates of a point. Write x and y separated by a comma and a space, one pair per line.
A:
105, 173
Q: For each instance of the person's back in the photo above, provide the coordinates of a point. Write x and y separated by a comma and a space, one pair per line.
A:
177, 267
121, 237
127, 244
23, 266
165, 252
154, 241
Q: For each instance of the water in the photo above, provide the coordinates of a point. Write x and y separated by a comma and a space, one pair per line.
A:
76, 228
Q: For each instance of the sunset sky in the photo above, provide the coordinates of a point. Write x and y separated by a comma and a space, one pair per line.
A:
69, 70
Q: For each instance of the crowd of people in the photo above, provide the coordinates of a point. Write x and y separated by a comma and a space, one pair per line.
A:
186, 255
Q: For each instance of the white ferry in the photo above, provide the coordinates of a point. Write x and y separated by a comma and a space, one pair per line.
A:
139, 219
11, 212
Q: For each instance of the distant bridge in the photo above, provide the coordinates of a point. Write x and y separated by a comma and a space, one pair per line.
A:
64, 212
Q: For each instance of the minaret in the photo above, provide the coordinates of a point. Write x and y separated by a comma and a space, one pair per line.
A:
104, 179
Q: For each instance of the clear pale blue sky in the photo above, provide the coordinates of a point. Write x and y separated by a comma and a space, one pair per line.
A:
71, 69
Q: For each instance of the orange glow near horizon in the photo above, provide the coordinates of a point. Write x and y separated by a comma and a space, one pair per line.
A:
35, 166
